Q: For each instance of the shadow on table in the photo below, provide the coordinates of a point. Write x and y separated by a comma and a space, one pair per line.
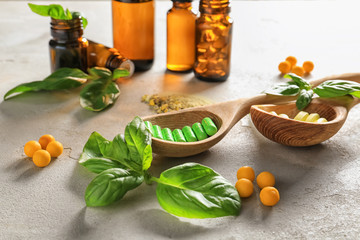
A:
167, 225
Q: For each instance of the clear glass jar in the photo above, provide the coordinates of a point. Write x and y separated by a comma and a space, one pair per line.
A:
68, 46
133, 31
213, 41
180, 36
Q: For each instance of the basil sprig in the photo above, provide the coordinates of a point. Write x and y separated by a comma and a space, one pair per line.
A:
56, 11
301, 88
64, 78
98, 94
190, 190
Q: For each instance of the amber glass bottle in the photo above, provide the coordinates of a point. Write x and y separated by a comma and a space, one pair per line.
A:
180, 36
102, 56
67, 46
213, 40
133, 31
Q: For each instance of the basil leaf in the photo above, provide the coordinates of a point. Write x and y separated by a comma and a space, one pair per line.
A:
337, 88
284, 89
80, 15
304, 98
92, 157
101, 92
302, 83
55, 11
194, 191
356, 94
98, 165
110, 186
63, 78
120, 73
138, 140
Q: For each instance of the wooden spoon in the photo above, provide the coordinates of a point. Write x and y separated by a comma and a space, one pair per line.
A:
297, 133
225, 115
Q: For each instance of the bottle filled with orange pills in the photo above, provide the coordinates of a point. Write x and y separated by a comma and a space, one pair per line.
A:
133, 31
180, 36
213, 41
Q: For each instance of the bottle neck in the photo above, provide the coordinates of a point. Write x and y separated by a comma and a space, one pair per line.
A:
182, 5
66, 30
214, 6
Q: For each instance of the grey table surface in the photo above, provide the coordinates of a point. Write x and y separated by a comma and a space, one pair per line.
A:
319, 185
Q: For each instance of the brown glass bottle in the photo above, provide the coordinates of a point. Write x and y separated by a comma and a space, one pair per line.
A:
180, 36
102, 56
213, 41
133, 31
67, 46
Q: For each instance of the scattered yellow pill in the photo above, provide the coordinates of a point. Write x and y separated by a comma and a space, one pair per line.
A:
322, 120
283, 115
301, 116
244, 187
313, 117
273, 113
269, 196
246, 172
265, 179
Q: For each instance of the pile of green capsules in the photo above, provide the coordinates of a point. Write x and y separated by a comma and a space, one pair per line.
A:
198, 131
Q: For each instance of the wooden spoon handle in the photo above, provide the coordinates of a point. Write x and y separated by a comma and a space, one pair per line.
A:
345, 76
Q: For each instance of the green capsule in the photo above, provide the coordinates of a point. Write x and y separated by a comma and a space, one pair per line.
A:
199, 131
149, 127
178, 135
189, 134
157, 132
209, 126
166, 132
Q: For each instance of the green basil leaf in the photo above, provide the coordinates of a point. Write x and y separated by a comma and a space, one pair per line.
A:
93, 158
304, 98
98, 165
120, 73
356, 94
302, 83
337, 88
101, 92
63, 78
55, 11
110, 186
138, 140
284, 89
80, 15
194, 191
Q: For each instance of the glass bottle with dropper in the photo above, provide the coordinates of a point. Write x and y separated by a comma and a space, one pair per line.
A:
180, 36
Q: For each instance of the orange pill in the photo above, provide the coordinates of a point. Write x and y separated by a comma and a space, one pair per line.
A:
308, 66
44, 140
55, 148
246, 172
284, 67
292, 60
298, 71
31, 147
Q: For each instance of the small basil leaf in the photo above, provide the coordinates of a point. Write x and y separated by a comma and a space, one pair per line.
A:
194, 191
304, 98
284, 89
356, 94
110, 186
302, 83
91, 148
98, 165
80, 15
63, 78
101, 92
138, 140
337, 88
120, 73
53, 10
